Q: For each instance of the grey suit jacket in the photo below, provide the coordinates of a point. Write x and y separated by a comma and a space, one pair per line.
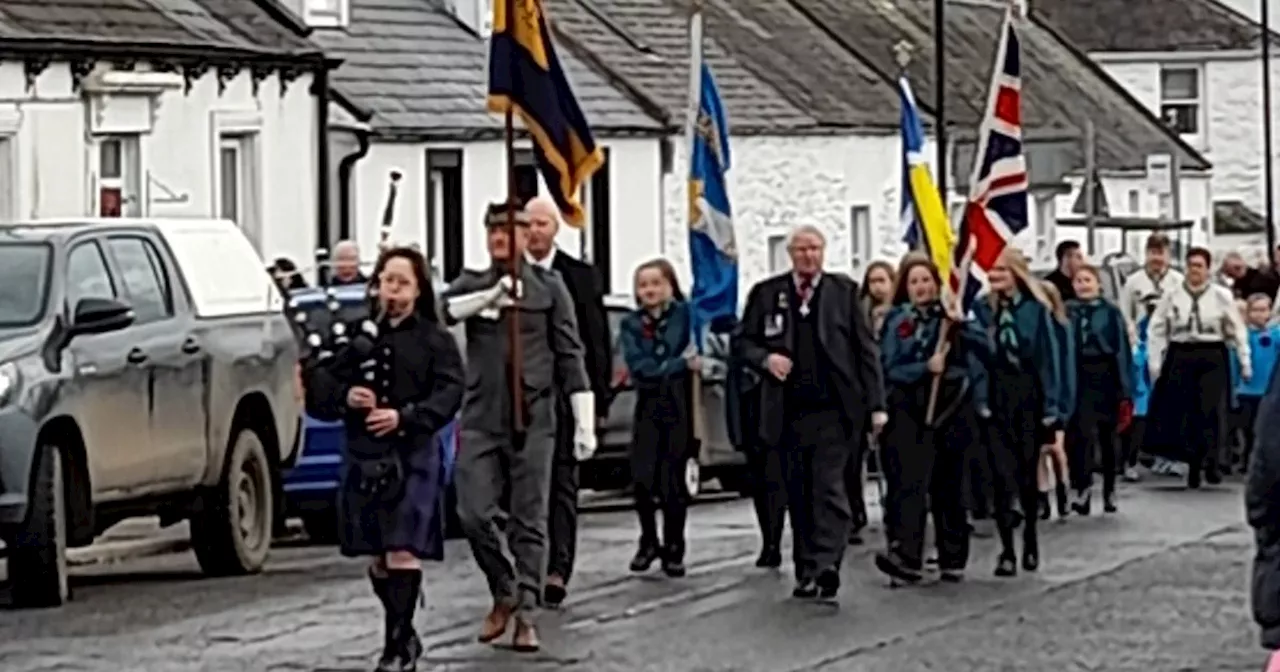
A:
550, 347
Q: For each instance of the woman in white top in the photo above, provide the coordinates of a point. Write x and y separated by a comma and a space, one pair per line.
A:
1192, 326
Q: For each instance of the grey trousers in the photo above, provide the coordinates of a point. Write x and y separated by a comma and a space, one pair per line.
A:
490, 462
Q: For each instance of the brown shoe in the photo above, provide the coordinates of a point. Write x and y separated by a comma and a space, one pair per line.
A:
526, 637
495, 623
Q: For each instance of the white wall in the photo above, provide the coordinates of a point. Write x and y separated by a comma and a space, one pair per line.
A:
55, 169
1196, 204
1232, 137
634, 193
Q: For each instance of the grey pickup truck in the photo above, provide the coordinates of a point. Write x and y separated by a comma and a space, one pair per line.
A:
146, 369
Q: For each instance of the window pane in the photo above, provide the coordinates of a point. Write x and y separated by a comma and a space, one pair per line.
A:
778, 258
141, 279
324, 6
1181, 84
230, 167
24, 271
1183, 119
111, 160
87, 275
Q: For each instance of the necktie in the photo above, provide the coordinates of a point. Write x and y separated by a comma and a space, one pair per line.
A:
805, 291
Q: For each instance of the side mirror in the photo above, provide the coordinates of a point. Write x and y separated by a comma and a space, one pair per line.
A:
99, 316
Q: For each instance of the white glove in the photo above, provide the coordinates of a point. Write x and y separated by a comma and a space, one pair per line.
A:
878, 420
584, 420
504, 299
465, 306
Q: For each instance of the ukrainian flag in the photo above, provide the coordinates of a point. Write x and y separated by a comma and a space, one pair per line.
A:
713, 255
525, 76
919, 190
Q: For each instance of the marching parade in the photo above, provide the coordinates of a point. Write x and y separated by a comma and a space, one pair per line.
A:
1010, 451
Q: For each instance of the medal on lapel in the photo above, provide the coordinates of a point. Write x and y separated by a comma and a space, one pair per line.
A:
804, 309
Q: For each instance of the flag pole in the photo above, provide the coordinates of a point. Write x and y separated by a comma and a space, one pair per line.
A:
513, 256
691, 129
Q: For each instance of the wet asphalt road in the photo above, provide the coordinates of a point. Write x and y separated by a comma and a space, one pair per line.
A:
1161, 586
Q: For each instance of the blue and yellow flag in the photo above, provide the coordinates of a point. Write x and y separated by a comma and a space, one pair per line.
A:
930, 227
713, 256
525, 76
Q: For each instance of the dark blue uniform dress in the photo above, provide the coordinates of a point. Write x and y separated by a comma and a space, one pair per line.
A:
392, 486
1024, 391
1104, 381
924, 464
654, 349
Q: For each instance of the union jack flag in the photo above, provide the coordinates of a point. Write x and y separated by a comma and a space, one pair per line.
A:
997, 206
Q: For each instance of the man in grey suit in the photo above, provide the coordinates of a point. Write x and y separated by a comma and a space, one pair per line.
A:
494, 455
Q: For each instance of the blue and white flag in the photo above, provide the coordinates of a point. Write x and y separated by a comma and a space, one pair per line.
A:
713, 253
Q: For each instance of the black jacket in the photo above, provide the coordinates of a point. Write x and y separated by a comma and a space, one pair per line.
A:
1262, 505
844, 334
593, 327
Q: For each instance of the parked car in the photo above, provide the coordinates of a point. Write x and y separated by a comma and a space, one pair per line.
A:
146, 368
716, 458
311, 486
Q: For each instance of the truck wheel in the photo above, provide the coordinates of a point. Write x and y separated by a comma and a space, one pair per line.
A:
38, 558
231, 532
321, 526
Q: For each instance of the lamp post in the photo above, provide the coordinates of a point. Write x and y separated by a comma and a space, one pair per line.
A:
940, 93
1268, 178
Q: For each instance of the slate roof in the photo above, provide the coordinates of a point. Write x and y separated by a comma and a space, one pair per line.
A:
1061, 86
247, 29
423, 75
776, 73
1150, 25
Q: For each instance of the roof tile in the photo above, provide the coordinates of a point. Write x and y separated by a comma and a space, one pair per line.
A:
1149, 25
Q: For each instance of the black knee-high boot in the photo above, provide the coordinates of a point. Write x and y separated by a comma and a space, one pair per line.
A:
1030, 546
379, 584
1007, 564
404, 648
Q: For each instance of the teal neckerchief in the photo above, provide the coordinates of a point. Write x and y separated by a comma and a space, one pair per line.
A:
1007, 329
1084, 334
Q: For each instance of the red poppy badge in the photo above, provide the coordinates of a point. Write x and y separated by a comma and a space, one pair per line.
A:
906, 329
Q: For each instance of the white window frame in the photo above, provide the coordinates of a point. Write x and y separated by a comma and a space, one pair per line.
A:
860, 234
130, 180
327, 13
1198, 101
248, 187
776, 248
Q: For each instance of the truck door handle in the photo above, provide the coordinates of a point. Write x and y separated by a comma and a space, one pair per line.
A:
191, 346
137, 356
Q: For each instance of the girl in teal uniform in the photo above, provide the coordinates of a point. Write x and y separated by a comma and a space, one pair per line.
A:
1024, 395
1053, 472
924, 462
1104, 394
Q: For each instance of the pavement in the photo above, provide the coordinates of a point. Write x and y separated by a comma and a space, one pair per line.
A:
1160, 586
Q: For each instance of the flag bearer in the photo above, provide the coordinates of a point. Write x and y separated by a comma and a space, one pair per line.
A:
923, 462
1193, 325
1104, 401
496, 456
1024, 398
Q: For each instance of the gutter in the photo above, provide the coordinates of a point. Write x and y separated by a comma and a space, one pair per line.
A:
345, 167
320, 89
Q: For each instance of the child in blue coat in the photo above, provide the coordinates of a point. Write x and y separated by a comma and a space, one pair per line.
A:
1264, 345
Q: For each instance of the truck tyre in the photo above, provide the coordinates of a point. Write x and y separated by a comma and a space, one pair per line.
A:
38, 558
231, 531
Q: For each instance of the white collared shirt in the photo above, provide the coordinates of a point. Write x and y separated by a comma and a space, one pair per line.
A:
1141, 285
1210, 317
544, 262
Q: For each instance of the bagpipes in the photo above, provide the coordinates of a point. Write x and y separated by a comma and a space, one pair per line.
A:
333, 319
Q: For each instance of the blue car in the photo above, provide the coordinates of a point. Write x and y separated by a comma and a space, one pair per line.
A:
311, 486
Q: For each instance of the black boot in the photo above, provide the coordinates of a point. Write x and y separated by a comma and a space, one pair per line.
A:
1007, 564
646, 554
650, 548
379, 584
673, 560
403, 589
1045, 511
1030, 548
1084, 501
673, 516
1063, 508
1109, 501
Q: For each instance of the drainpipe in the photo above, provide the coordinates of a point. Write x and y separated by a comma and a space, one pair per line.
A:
320, 88
345, 166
